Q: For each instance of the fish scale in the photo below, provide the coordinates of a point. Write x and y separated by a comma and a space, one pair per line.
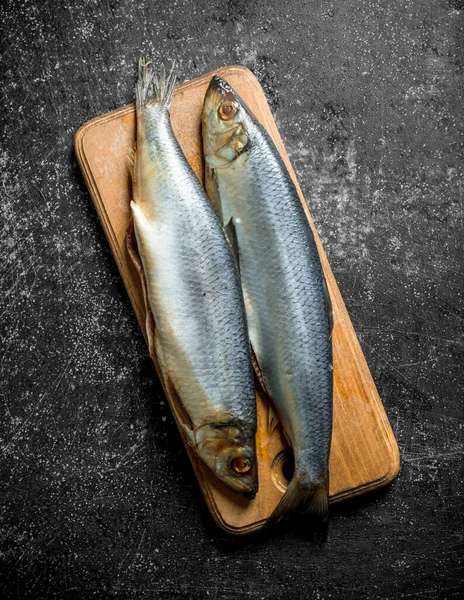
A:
296, 319
201, 265
193, 291
283, 286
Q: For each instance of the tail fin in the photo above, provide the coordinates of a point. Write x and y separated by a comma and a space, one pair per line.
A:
311, 504
154, 87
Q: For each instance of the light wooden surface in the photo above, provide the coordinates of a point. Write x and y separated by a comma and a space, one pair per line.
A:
364, 452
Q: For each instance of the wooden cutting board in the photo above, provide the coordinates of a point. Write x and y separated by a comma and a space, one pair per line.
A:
364, 453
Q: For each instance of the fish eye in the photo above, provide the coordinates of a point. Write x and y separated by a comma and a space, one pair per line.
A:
240, 464
227, 110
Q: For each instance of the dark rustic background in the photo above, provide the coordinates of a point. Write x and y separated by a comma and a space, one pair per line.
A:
98, 499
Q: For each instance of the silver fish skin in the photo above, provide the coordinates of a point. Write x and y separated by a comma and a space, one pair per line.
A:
193, 290
284, 288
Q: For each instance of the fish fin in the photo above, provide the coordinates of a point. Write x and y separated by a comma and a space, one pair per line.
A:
272, 418
258, 372
142, 228
231, 234
132, 249
154, 87
140, 220
131, 162
131, 158
212, 190
177, 406
329, 307
312, 504
318, 513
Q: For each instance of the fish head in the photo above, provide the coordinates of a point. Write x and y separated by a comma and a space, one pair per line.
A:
228, 124
230, 454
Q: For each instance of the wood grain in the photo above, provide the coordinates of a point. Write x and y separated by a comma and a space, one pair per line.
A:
364, 453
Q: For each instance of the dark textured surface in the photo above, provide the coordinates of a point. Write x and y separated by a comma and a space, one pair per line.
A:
98, 499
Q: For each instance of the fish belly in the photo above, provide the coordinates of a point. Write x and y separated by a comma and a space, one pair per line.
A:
193, 291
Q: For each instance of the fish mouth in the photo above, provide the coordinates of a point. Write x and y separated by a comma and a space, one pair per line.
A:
251, 495
250, 489
219, 84
217, 89
245, 484
253, 490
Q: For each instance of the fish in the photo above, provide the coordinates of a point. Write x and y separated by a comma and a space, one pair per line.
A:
196, 323
286, 298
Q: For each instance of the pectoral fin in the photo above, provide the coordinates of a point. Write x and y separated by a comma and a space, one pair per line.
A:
231, 234
142, 225
212, 190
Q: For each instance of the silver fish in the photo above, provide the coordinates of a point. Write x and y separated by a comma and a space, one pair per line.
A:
200, 336
284, 288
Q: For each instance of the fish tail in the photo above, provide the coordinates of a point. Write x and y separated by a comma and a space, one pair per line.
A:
311, 504
154, 87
